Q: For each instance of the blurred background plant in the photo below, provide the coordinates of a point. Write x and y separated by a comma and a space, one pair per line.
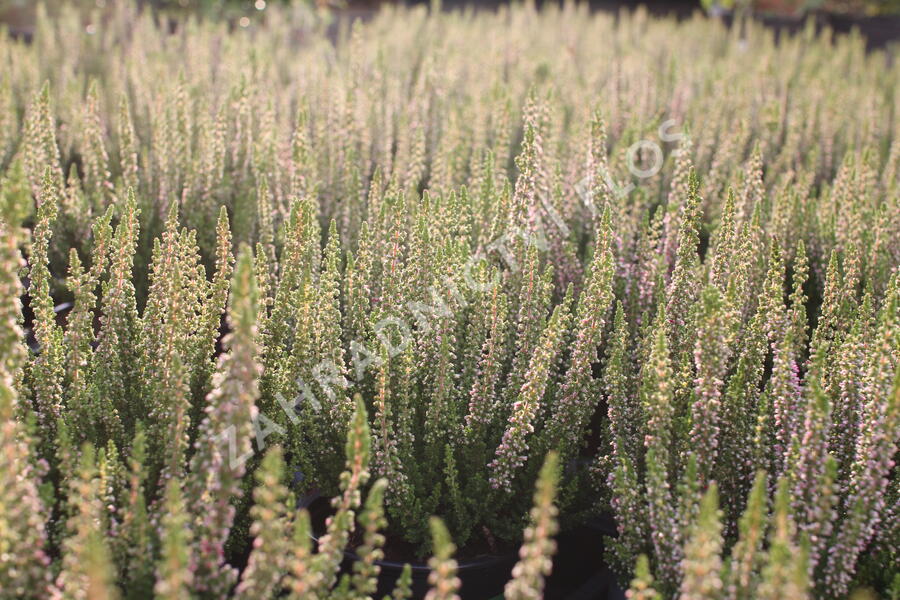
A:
19, 15
801, 7
866, 7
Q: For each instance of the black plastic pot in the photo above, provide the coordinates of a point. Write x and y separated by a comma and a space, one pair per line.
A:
481, 578
579, 572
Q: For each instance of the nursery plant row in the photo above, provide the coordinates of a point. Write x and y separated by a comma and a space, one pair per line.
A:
481, 277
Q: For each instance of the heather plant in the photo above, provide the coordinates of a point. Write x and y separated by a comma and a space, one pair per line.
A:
766, 561
665, 258
108, 524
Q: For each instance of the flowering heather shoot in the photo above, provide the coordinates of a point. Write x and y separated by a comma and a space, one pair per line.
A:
483, 278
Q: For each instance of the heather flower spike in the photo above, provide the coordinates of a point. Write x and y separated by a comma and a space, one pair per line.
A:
23, 513
742, 572
784, 574
702, 552
87, 565
224, 438
510, 454
48, 364
331, 545
174, 573
536, 555
642, 584
270, 530
442, 579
